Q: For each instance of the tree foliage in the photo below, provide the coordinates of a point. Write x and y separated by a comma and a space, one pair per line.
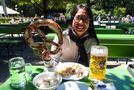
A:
45, 6
112, 5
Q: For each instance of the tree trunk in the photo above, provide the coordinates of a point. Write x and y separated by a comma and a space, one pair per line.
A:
88, 3
45, 4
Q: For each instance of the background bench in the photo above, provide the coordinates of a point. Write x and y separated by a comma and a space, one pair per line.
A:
11, 34
119, 45
109, 31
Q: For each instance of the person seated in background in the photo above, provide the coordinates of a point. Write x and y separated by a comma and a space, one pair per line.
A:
12, 21
132, 19
127, 19
78, 38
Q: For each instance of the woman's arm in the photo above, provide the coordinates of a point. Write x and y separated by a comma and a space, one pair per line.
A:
55, 57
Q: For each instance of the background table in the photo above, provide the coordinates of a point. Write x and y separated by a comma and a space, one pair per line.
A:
120, 77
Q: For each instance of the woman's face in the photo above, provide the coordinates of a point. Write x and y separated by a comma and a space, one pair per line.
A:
80, 22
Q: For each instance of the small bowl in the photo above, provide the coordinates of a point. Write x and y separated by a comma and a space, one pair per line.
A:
47, 81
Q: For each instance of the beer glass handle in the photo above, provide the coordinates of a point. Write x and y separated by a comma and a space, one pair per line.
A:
28, 71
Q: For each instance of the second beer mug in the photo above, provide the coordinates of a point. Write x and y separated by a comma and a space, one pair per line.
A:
99, 55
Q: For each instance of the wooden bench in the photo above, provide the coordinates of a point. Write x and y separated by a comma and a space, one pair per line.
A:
99, 26
109, 31
120, 45
125, 25
10, 35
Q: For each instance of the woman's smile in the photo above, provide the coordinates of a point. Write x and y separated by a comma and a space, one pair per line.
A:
80, 27
81, 22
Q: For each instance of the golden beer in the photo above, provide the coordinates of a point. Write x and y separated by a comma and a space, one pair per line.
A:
98, 60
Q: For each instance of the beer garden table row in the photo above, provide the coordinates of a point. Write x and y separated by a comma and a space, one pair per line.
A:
118, 25
115, 24
109, 31
120, 76
12, 34
119, 45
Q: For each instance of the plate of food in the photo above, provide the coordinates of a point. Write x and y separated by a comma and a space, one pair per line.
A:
72, 71
73, 85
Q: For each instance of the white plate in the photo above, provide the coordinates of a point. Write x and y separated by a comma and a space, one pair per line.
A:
62, 66
73, 85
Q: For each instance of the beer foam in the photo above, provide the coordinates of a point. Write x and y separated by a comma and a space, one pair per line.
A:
99, 50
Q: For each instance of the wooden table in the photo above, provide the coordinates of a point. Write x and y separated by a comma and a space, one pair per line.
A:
120, 76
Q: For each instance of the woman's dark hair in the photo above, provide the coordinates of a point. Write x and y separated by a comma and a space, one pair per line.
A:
91, 29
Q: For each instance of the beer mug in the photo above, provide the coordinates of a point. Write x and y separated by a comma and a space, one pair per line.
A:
99, 55
17, 72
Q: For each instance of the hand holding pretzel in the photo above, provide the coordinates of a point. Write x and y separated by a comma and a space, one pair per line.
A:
43, 46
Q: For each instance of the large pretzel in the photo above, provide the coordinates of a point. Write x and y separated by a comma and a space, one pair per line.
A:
43, 46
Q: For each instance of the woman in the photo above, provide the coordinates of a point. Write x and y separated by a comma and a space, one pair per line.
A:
78, 38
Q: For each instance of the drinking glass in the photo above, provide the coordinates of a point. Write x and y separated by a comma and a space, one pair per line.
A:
17, 72
99, 55
50, 64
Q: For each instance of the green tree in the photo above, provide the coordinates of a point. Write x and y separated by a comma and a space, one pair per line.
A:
46, 6
118, 11
111, 5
